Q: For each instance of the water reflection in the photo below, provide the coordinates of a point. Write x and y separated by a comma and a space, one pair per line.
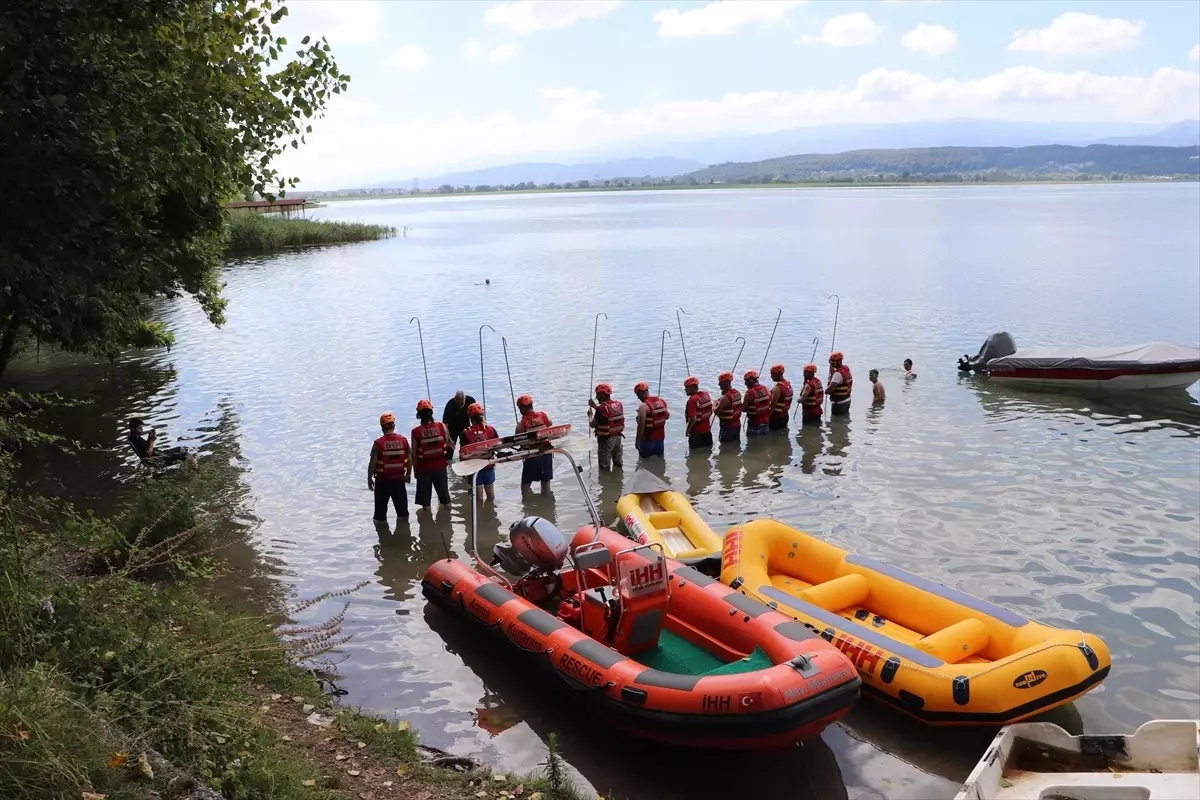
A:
811, 438
699, 472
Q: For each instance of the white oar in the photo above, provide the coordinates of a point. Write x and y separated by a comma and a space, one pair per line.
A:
470, 466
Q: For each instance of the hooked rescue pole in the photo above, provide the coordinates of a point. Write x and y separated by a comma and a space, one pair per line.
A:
832, 341
504, 344
739, 355
424, 365
595, 333
682, 343
661, 352
816, 341
482, 385
772, 340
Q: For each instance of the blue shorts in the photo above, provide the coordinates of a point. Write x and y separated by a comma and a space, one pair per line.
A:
485, 477
729, 434
651, 447
758, 430
537, 469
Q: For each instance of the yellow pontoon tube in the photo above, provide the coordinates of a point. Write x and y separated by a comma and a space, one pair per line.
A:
651, 512
939, 654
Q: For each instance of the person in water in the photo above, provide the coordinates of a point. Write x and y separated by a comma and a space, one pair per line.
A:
455, 416
698, 412
757, 405
389, 469
908, 369
839, 385
607, 419
812, 396
148, 451
781, 399
728, 409
540, 468
432, 446
878, 393
652, 422
480, 431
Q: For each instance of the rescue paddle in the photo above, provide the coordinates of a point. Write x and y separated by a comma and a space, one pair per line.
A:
682, 343
772, 340
832, 341
482, 385
424, 365
661, 351
739, 355
470, 466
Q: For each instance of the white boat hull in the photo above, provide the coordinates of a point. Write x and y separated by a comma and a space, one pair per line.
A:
1120, 383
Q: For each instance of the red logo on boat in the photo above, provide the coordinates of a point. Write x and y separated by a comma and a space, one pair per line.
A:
750, 701
863, 656
733, 549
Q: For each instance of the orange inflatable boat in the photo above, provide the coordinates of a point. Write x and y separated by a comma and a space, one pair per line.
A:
652, 645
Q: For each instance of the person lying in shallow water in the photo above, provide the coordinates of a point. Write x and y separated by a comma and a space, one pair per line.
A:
148, 451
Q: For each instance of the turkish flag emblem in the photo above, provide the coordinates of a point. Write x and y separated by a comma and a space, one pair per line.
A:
750, 701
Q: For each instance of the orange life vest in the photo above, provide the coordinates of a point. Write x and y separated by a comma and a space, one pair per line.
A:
656, 418
783, 403
533, 420
813, 401
758, 404
841, 391
480, 433
731, 415
610, 418
699, 411
430, 442
392, 449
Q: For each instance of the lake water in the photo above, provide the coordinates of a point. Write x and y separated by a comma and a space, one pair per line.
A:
1078, 512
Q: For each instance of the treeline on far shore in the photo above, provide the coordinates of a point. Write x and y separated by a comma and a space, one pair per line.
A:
265, 233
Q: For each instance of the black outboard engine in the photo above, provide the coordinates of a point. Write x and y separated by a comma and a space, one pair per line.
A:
534, 544
997, 345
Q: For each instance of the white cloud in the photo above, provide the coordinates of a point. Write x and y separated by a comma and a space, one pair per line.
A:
503, 53
1074, 32
342, 22
527, 16
409, 58
1194, 53
722, 17
930, 40
472, 50
846, 30
346, 148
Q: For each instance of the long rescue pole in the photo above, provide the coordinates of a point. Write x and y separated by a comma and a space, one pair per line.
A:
739, 355
661, 352
504, 344
832, 341
682, 343
595, 334
816, 341
482, 385
772, 341
424, 365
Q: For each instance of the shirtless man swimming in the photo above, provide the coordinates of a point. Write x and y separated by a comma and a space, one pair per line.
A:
878, 393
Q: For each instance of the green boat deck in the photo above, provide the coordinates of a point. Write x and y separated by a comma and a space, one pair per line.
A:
678, 655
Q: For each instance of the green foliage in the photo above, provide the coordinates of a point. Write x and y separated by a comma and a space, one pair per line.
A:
263, 233
392, 739
556, 771
127, 126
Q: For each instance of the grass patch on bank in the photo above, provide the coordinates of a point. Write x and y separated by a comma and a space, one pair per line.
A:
265, 233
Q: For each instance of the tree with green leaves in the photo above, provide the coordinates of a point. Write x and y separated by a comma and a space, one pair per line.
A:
125, 127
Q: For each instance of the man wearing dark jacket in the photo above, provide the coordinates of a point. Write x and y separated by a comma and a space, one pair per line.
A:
455, 417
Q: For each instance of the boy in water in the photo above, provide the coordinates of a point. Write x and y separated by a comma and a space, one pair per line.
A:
878, 394
908, 369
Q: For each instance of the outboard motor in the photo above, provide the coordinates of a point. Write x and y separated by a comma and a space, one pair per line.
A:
534, 544
997, 345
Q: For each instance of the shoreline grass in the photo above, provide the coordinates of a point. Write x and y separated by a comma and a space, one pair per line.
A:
268, 233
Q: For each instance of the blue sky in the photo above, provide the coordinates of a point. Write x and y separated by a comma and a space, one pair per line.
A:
441, 84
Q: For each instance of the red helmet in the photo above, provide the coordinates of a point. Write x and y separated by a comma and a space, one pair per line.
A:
751, 375
525, 400
810, 369
603, 388
387, 418
424, 405
641, 386
474, 410
777, 370
691, 380
725, 377
836, 355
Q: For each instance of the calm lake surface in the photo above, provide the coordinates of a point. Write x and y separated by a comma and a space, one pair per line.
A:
1075, 511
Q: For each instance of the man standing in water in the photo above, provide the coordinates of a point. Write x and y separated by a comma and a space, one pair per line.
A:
608, 421
455, 415
542, 467
878, 393
908, 369
432, 446
389, 470
652, 422
781, 399
757, 405
812, 396
728, 409
480, 431
698, 413
840, 384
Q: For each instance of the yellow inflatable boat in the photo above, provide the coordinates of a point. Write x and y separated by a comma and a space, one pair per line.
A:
939, 654
651, 512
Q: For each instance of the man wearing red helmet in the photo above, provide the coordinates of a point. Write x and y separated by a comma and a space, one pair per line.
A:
758, 405
840, 383
781, 399
540, 468
389, 469
480, 431
651, 422
432, 447
608, 421
728, 409
698, 412
812, 396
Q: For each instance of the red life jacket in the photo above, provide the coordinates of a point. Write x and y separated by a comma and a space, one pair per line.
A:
656, 418
841, 391
392, 449
480, 433
813, 401
699, 411
610, 418
534, 420
731, 415
758, 404
429, 445
783, 404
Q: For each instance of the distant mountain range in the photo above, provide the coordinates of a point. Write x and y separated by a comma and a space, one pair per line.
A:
1034, 161
546, 173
